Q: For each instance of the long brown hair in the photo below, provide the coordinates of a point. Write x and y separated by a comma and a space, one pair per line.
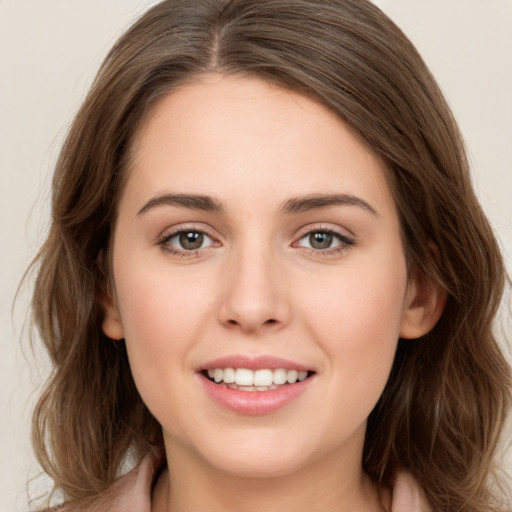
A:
443, 409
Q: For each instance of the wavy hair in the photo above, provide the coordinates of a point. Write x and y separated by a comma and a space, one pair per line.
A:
443, 409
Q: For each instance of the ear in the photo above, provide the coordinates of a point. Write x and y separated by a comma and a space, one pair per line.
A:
111, 324
423, 306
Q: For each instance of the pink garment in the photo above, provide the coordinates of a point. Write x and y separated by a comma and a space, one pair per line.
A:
408, 496
132, 492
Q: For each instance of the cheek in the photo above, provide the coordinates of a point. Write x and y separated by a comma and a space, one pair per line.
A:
359, 335
355, 317
162, 313
156, 296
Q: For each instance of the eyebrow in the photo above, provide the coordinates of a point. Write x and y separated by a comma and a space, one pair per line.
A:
292, 206
190, 201
317, 201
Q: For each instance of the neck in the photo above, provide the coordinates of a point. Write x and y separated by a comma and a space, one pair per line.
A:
326, 486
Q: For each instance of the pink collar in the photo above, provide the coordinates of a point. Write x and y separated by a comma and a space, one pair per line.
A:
132, 492
408, 496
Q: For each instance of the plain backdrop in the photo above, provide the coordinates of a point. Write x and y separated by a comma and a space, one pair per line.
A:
49, 53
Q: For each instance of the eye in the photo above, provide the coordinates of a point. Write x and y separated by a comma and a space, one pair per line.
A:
325, 240
320, 240
187, 240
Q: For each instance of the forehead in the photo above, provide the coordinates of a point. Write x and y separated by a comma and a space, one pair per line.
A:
221, 134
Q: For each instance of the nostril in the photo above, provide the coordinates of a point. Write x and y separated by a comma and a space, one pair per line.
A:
250, 324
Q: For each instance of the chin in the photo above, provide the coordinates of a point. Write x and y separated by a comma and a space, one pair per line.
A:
245, 453
258, 466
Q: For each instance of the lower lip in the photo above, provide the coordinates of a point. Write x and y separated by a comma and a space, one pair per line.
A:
254, 403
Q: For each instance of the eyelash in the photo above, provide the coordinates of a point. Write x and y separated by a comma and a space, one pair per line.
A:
164, 242
345, 242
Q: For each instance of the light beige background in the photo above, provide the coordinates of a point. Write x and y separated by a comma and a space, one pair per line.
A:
49, 52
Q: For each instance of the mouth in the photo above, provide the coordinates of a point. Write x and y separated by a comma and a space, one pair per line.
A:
265, 379
255, 385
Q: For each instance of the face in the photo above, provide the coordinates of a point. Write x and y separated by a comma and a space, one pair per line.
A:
257, 245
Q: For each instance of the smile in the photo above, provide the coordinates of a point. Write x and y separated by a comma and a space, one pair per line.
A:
244, 379
255, 386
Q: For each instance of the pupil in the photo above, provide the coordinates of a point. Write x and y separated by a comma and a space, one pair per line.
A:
320, 240
191, 240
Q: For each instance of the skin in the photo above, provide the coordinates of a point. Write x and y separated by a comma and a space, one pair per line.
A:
256, 286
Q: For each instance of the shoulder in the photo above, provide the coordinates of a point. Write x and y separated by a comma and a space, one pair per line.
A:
130, 493
408, 496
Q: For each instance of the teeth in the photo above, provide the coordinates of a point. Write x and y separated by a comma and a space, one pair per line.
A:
229, 375
280, 376
263, 377
243, 377
292, 376
258, 380
252, 388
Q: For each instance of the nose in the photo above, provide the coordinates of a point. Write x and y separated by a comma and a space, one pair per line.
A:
254, 295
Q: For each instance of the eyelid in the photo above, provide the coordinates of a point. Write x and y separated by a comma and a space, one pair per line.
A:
346, 241
335, 230
186, 226
168, 235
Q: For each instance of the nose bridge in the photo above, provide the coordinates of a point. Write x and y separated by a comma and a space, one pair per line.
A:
253, 295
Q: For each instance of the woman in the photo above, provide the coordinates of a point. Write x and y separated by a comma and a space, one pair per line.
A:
267, 275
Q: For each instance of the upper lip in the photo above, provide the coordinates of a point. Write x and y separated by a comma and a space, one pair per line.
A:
253, 363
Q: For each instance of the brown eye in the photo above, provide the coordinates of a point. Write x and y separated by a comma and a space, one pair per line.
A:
320, 240
325, 241
187, 241
191, 240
